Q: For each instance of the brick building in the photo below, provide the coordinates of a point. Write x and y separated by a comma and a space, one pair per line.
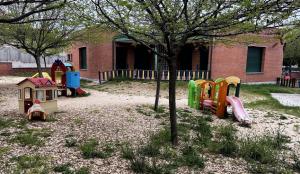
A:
259, 62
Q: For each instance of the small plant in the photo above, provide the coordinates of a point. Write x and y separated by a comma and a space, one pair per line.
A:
90, 149
139, 165
3, 150
35, 164
127, 152
83, 170
191, 158
63, 168
32, 137
5, 123
70, 142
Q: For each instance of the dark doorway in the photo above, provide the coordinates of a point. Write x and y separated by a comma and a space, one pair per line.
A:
185, 58
28, 99
121, 58
143, 59
204, 54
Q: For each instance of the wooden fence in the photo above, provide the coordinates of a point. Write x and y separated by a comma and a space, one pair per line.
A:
286, 82
151, 75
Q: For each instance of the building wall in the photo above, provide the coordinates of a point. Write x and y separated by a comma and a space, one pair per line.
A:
231, 60
5, 68
99, 58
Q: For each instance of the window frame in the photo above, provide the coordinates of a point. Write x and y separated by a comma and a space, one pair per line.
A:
43, 98
262, 60
19, 94
50, 95
80, 58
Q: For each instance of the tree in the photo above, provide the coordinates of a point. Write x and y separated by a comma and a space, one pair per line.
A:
26, 8
291, 38
42, 37
175, 22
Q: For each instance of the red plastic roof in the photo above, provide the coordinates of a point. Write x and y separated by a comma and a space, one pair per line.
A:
40, 82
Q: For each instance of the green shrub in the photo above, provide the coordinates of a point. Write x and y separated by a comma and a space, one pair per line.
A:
32, 137
63, 168
190, 158
127, 152
32, 164
70, 142
90, 149
83, 170
259, 149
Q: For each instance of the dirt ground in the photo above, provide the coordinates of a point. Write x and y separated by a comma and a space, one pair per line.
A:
110, 116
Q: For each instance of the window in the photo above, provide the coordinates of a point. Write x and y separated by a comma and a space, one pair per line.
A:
82, 58
254, 59
49, 95
54, 94
70, 57
27, 94
40, 95
20, 94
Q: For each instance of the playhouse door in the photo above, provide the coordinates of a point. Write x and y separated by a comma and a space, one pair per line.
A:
27, 99
27, 105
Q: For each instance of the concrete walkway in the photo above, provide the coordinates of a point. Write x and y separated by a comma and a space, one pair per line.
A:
287, 99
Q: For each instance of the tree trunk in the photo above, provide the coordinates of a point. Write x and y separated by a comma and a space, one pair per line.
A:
172, 100
157, 86
44, 57
38, 64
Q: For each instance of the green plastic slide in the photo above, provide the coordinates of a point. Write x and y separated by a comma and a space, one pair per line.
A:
191, 96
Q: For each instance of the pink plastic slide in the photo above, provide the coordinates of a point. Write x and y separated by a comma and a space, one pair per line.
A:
238, 110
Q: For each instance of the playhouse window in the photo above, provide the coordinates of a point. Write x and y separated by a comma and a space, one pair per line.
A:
254, 59
82, 58
49, 95
40, 95
27, 93
20, 94
54, 94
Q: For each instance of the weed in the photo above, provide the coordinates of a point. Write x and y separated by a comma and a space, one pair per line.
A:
34, 164
150, 150
5, 123
32, 137
70, 142
139, 165
78, 121
83, 170
63, 168
259, 149
191, 158
127, 152
4, 150
90, 149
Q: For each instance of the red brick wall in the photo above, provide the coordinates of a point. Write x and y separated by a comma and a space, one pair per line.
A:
232, 60
99, 58
5, 68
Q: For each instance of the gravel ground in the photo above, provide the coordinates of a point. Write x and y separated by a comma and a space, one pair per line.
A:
112, 117
287, 99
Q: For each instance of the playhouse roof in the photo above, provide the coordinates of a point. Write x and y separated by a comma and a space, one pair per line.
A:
39, 82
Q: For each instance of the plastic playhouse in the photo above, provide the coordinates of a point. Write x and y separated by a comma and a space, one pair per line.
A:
215, 96
37, 97
64, 75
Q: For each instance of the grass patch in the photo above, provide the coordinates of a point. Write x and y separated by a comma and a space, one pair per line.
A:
5, 123
70, 142
271, 103
4, 150
32, 137
68, 169
31, 164
92, 149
